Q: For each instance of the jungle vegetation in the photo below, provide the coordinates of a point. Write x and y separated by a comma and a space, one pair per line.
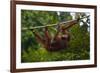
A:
78, 46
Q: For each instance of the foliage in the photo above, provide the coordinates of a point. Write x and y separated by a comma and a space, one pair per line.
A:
32, 51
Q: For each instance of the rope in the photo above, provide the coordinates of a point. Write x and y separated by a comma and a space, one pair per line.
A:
65, 22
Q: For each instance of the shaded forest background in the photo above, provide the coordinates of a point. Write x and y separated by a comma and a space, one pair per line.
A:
78, 46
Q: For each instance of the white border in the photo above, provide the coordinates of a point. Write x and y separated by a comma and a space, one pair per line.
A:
20, 65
